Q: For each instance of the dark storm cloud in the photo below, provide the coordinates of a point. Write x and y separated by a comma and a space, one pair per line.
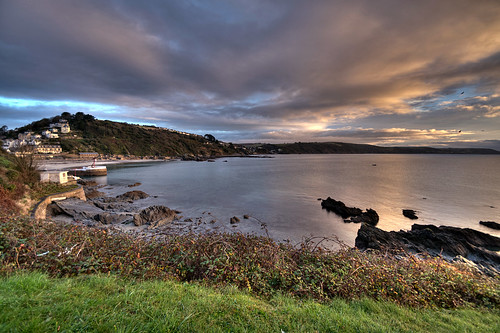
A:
265, 68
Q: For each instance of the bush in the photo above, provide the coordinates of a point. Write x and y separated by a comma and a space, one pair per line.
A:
257, 264
26, 167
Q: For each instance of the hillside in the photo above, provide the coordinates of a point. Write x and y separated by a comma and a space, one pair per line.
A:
351, 148
109, 137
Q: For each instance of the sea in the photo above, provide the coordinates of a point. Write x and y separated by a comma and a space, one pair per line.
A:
282, 192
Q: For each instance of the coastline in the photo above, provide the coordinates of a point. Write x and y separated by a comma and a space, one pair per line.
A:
50, 165
108, 209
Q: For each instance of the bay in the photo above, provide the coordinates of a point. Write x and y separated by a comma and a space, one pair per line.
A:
283, 191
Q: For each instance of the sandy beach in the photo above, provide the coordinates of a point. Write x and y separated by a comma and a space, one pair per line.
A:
48, 165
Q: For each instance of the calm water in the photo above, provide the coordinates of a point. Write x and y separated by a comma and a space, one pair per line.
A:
456, 190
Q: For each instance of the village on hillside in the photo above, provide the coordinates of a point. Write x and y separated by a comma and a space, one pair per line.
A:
38, 142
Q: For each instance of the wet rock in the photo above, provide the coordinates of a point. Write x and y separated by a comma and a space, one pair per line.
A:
86, 182
91, 193
155, 216
113, 206
234, 220
134, 185
246, 217
350, 214
370, 217
109, 218
133, 195
339, 208
490, 224
410, 213
445, 241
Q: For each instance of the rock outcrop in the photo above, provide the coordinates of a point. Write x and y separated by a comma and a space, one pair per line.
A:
350, 214
76, 208
490, 224
155, 216
445, 241
110, 218
133, 195
410, 213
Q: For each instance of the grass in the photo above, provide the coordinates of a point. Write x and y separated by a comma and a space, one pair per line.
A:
258, 265
41, 190
33, 302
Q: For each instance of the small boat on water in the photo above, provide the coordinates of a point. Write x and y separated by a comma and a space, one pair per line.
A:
91, 170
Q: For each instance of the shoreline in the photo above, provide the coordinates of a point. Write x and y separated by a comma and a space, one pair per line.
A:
51, 165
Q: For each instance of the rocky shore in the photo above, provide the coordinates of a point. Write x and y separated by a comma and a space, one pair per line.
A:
133, 211
472, 247
122, 209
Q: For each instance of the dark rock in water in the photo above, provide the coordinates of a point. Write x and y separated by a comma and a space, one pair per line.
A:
155, 216
246, 216
339, 208
490, 224
133, 195
410, 213
134, 184
234, 220
370, 217
350, 214
445, 241
108, 218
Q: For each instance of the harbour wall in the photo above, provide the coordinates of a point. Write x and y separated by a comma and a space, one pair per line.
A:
40, 210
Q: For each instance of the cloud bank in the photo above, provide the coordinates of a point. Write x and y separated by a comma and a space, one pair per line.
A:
387, 72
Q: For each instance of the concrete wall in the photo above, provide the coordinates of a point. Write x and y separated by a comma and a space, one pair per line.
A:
40, 210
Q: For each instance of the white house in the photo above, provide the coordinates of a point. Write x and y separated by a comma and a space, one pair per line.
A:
8, 144
49, 149
49, 135
62, 124
59, 177
65, 128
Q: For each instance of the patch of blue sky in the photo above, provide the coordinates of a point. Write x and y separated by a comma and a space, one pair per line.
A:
260, 98
20, 103
435, 103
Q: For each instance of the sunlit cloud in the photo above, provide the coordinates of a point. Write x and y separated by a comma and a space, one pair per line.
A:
260, 70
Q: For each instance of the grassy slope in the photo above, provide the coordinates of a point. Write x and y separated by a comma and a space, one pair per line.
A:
35, 303
109, 137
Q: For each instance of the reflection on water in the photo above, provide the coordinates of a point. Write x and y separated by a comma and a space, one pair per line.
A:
458, 190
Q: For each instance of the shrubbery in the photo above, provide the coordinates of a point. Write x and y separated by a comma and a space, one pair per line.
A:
257, 264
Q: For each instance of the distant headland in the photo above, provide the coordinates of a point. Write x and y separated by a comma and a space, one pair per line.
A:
71, 135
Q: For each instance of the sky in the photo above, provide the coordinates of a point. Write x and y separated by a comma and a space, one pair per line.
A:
385, 72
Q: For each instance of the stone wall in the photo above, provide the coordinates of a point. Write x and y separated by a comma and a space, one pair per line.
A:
40, 210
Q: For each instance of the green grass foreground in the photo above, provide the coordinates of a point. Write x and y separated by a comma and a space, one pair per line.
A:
33, 302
